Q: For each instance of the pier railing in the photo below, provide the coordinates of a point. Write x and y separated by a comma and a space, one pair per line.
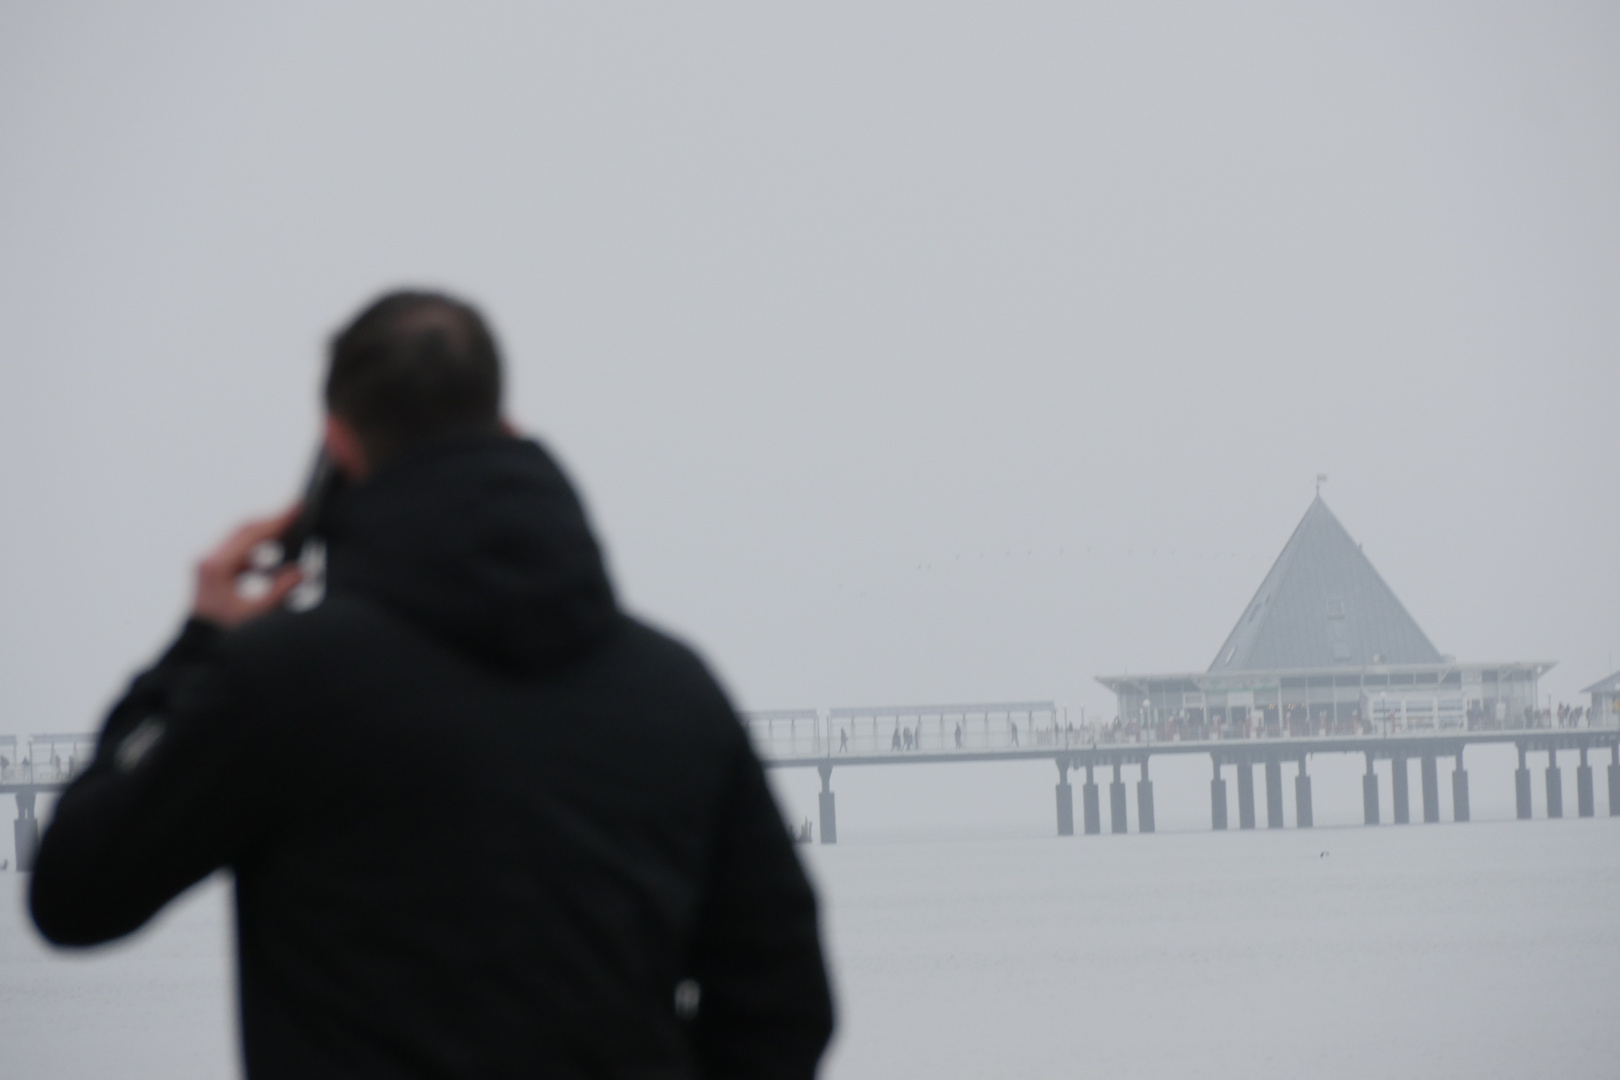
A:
1016, 728
49, 773
802, 733
43, 760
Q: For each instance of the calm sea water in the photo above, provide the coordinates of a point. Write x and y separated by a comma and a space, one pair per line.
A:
1481, 950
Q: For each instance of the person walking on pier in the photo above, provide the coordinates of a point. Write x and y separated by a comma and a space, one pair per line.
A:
535, 840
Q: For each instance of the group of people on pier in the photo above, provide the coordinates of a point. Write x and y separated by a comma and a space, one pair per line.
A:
25, 770
1302, 721
1197, 725
904, 738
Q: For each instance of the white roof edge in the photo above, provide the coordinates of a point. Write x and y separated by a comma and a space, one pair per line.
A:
1296, 673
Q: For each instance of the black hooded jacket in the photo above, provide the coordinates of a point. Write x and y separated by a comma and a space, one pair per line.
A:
482, 823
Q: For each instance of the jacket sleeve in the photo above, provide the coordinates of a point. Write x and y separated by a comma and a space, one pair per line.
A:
765, 1008
159, 807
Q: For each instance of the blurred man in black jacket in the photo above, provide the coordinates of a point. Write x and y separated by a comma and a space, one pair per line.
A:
482, 823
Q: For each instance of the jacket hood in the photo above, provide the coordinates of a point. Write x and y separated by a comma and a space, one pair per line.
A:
481, 541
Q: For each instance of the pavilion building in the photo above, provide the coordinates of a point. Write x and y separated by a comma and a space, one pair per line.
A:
1605, 699
1326, 648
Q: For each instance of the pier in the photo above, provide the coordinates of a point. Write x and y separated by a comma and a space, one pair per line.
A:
42, 766
892, 736
1033, 731
1323, 660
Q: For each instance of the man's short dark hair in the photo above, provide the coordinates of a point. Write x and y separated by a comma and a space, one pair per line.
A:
411, 366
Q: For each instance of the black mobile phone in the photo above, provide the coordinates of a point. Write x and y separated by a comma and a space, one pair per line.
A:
324, 479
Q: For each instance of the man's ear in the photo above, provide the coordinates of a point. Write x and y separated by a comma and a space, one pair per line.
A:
344, 448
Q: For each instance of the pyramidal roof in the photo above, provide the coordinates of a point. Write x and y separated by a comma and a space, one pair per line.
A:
1323, 605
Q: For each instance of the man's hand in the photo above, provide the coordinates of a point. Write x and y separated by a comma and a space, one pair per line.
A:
220, 597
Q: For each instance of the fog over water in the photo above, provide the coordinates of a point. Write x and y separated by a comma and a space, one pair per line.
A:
1473, 951
904, 353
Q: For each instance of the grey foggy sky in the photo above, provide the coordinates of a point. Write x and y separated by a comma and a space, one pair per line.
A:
903, 352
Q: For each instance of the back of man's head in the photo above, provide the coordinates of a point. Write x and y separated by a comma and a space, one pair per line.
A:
411, 366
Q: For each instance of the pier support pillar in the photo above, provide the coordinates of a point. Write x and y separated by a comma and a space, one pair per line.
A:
1274, 796
1116, 804
1065, 799
1245, 771
1144, 801
1521, 787
1401, 795
1459, 791
1217, 798
1583, 787
1091, 804
1430, 775
1614, 780
1555, 786
829, 809
1304, 815
1369, 795
25, 830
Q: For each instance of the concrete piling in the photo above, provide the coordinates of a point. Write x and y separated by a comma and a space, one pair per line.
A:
1583, 787
1399, 790
1116, 803
1614, 780
1144, 801
1428, 772
1217, 797
1274, 795
1555, 786
1065, 799
1245, 775
829, 810
1091, 803
1459, 791
1304, 816
1369, 795
1521, 787
25, 831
